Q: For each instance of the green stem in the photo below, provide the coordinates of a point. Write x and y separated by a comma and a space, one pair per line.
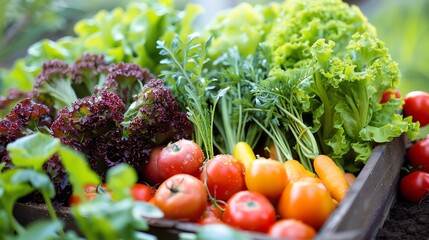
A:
52, 212
230, 138
15, 224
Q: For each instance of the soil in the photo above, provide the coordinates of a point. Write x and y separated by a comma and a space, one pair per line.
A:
406, 221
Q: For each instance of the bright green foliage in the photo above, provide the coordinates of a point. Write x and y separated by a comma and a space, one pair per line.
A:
102, 218
127, 35
302, 23
243, 27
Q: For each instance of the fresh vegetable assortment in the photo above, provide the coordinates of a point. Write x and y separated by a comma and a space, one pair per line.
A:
259, 121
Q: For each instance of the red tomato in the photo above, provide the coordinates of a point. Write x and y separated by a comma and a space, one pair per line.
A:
183, 156
387, 95
181, 196
224, 176
76, 200
91, 192
213, 211
266, 176
150, 171
210, 220
142, 192
414, 186
292, 229
418, 154
307, 200
249, 211
417, 106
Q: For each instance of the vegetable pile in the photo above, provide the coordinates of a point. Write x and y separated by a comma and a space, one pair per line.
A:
263, 113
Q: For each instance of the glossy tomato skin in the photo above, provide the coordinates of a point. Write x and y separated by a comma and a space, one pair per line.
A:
141, 192
181, 157
150, 170
418, 154
181, 196
417, 106
389, 94
225, 176
414, 186
250, 211
292, 229
307, 200
266, 176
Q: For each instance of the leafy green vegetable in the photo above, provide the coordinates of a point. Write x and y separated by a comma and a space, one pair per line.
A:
278, 99
302, 23
122, 35
103, 217
239, 76
190, 86
348, 84
242, 27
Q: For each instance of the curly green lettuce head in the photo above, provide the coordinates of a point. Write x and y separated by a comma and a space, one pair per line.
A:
303, 22
346, 90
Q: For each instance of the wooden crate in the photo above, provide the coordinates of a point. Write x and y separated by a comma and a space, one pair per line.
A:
359, 216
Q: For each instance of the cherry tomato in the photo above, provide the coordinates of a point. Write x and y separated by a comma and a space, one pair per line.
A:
213, 211
141, 192
181, 196
414, 186
150, 170
292, 229
417, 106
225, 176
307, 200
182, 156
91, 192
210, 220
75, 200
388, 94
212, 214
249, 211
418, 154
266, 176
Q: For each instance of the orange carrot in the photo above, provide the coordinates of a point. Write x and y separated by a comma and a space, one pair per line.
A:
295, 170
332, 176
351, 178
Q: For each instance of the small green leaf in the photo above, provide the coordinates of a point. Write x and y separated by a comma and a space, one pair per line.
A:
12, 191
2, 166
77, 167
33, 150
42, 229
39, 180
142, 209
120, 179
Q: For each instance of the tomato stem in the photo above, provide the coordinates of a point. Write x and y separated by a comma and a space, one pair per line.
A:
174, 147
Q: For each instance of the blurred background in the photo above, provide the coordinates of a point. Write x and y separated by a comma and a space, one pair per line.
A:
402, 24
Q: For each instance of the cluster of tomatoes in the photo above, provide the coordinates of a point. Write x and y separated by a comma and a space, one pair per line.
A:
244, 192
414, 185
